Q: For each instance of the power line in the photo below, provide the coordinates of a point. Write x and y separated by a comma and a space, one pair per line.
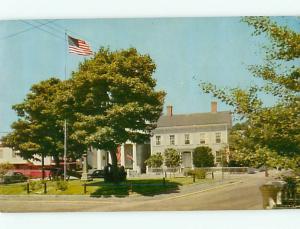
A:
46, 31
51, 27
67, 29
26, 30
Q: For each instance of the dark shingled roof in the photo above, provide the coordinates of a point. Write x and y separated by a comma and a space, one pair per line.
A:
223, 117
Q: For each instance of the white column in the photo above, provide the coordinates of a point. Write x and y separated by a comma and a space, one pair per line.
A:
99, 159
123, 155
134, 152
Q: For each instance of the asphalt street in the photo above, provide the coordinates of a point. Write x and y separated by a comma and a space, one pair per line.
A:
240, 192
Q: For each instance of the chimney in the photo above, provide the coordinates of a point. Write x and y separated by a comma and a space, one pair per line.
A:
170, 111
214, 106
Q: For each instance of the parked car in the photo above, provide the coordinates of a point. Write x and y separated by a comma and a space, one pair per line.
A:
97, 174
13, 177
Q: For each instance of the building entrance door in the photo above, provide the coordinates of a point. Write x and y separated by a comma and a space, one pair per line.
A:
186, 159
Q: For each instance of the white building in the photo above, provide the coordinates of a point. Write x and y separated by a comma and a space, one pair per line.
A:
130, 155
185, 132
8, 155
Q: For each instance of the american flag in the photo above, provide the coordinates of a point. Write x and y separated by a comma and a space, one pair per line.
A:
79, 47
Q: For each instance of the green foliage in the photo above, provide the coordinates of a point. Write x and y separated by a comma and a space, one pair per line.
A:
291, 186
109, 100
35, 185
198, 173
155, 160
38, 131
172, 158
203, 157
269, 135
62, 185
4, 168
112, 99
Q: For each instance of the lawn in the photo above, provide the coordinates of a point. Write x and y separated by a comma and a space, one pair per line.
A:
98, 187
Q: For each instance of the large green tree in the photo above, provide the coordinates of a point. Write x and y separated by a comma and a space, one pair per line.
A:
112, 98
271, 135
38, 131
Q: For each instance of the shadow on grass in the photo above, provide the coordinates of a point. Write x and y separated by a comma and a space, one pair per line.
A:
146, 187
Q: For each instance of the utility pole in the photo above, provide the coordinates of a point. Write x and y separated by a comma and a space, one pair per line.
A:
65, 123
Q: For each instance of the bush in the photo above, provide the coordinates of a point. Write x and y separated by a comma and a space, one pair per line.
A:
291, 186
61, 185
202, 157
172, 158
155, 160
233, 163
199, 173
35, 185
114, 174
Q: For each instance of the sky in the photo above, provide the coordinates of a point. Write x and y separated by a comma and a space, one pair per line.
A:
185, 51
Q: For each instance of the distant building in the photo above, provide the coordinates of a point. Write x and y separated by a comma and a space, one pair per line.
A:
8, 155
185, 132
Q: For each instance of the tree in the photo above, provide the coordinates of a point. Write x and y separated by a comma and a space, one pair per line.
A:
172, 158
112, 99
203, 157
155, 160
38, 131
271, 135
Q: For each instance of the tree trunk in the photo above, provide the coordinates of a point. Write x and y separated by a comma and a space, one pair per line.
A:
266, 172
113, 156
56, 161
114, 163
43, 167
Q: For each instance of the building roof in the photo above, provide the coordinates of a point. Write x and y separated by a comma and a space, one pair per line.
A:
223, 117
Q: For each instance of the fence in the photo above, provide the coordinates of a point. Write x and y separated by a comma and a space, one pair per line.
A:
210, 170
164, 171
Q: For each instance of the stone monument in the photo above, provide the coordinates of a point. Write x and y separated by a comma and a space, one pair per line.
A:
84, 176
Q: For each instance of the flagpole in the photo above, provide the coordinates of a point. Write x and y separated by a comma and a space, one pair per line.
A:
65, 123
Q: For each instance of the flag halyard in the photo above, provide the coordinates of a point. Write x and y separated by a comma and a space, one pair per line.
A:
79, 47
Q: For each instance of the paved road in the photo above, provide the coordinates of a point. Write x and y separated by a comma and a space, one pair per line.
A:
239, 193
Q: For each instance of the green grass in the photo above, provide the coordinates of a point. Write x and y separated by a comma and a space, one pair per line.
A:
98, 188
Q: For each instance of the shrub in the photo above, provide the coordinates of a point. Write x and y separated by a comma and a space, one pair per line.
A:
35, 185
199, 173
114, 174
172, 158
155, 160
291, 186
61, 185
202, 157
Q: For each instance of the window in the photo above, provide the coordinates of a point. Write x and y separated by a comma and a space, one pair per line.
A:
218, 137
157, 140
218, 156
172, 139
13, 154
187, 139
202, 138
